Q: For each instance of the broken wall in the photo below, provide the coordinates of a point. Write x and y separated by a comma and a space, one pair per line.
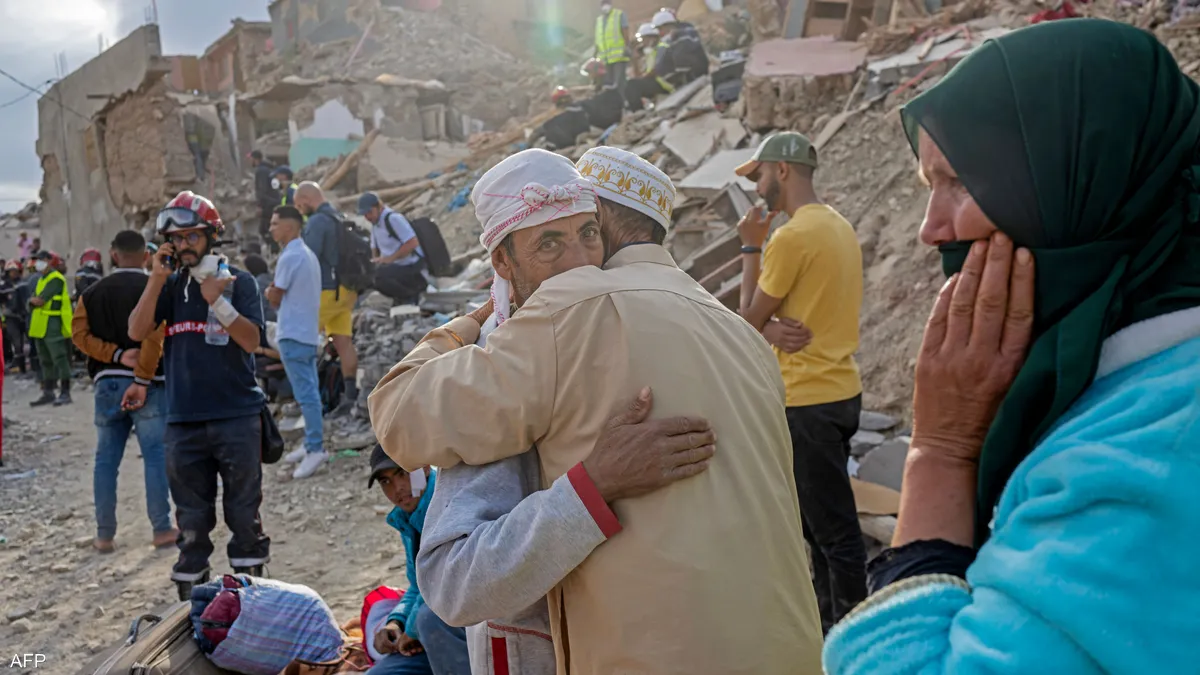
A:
787, 83
333, 119
146, 153
77, 209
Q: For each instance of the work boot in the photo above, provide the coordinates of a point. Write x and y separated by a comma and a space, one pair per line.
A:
64, 396
184, 588
47, 396
259, 571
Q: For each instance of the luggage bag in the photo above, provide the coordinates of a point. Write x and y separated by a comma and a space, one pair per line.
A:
157, 644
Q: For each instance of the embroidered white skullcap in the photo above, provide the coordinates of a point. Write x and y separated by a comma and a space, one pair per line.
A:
629, 180
530, 188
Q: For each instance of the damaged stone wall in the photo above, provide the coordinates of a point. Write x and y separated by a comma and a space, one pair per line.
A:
77, 209
147, 159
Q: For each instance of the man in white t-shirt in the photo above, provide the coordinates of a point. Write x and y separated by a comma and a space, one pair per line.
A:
401, 262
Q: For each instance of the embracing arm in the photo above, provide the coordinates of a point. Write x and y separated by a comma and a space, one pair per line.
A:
494, 544
449, 401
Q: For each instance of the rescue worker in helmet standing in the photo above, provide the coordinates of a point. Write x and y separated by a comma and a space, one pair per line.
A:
91, 270
213, 315
612, 45
50, 329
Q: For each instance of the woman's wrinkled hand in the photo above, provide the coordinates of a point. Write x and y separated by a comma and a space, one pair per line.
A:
974, 345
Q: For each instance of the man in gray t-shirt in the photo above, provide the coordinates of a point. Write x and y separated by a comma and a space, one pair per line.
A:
296, 292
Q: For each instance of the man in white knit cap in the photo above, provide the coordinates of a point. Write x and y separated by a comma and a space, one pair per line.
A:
709, 575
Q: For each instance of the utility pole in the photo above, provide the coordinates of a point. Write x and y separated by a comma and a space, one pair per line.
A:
60, 67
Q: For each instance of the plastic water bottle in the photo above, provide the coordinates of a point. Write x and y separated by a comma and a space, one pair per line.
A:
214, 332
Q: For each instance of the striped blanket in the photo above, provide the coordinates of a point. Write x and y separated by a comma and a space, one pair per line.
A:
278, 623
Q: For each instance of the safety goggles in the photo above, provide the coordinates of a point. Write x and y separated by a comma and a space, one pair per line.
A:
178, 218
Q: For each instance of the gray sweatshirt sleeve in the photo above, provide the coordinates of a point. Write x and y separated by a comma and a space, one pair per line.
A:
494, 544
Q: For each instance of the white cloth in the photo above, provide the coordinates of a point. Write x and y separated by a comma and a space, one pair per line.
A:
623, 177
530, 188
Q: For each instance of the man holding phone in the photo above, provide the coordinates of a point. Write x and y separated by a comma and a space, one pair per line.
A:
213, 317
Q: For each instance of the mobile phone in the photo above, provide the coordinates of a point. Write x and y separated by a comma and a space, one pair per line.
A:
169, 261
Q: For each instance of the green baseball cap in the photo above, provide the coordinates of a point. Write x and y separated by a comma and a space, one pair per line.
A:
786, 146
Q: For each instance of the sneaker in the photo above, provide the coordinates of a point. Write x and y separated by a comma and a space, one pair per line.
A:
296, 456
312, 461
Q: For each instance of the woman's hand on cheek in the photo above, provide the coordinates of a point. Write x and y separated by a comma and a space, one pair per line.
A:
974, 345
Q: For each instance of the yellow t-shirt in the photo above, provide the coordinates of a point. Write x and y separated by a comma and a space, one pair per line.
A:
814, 263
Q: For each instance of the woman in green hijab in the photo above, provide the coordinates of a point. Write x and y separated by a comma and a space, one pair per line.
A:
1048, 517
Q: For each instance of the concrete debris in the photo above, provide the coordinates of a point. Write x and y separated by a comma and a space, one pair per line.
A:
873, 421
864, 441
884, 465
716, 173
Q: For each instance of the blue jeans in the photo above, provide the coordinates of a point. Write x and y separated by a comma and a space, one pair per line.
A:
445, 645
300, 364
445, 651
112, 430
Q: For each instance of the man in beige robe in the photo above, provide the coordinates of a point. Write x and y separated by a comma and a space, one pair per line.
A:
709, 575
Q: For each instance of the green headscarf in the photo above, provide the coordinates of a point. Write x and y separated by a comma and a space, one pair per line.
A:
1078, 139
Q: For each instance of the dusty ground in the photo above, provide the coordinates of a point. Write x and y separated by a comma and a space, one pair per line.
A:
327, 532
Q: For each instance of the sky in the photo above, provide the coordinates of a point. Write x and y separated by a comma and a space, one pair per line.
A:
33, 31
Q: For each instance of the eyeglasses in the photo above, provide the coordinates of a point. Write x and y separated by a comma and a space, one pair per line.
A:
192, 238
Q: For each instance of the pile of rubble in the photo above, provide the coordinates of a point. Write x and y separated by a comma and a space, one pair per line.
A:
489, 84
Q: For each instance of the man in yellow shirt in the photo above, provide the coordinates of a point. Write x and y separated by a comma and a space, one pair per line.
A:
806, 303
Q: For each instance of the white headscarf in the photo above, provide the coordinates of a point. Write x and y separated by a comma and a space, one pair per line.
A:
530, 188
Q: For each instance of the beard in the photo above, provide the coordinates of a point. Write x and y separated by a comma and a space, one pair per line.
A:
773, 196
188, 258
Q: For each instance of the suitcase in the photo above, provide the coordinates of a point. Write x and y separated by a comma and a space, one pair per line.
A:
157, 644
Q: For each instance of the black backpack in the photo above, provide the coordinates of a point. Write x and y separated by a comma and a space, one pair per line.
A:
429, 238
354, 269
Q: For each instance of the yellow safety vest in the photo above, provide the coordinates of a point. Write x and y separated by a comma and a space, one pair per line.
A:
283, 200
651, 59
610, 41
59, 306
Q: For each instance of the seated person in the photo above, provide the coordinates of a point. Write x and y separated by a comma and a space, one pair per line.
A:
413, 639
562, 130
685, 58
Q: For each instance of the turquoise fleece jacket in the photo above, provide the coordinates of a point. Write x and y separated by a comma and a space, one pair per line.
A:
1090, 567
410, 526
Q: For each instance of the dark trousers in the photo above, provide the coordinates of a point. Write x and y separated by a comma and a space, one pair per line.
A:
615, 75
402, 283
820, 449
640, 88
197, 454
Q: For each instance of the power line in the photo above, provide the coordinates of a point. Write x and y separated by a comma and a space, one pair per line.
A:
24, 96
